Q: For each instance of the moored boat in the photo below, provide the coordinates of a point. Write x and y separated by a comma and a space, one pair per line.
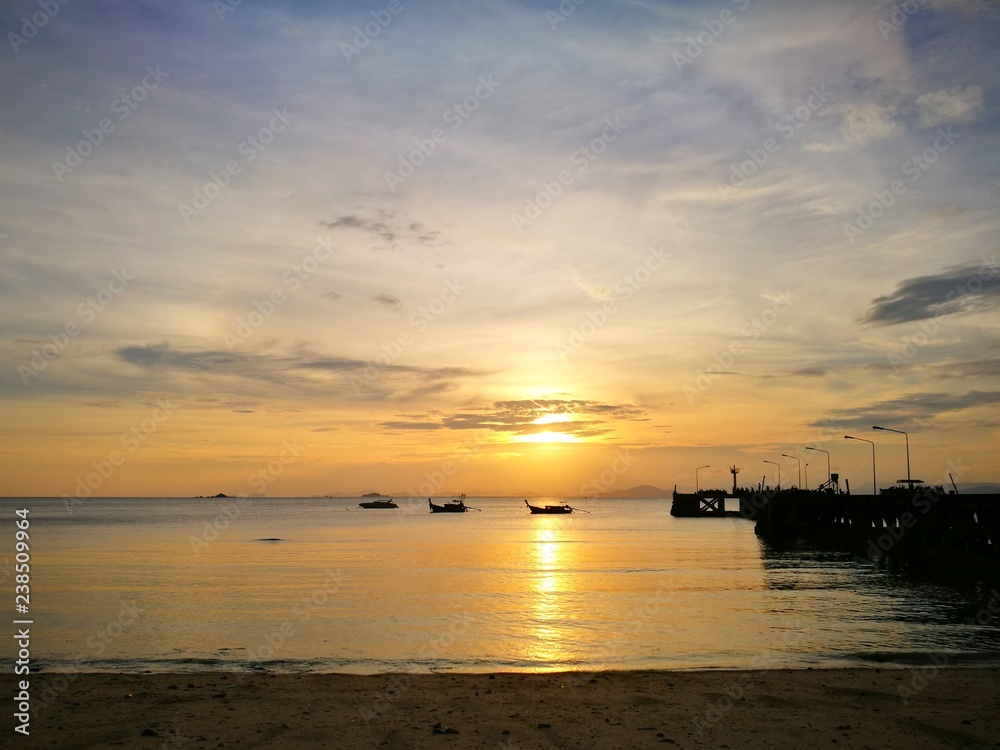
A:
452, 506
372, 504
551, 509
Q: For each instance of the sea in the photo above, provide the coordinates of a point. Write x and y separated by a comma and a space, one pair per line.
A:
289, 585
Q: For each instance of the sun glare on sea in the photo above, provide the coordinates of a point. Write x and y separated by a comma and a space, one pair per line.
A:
547, 643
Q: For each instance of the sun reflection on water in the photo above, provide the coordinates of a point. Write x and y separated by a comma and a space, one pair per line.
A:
549, 643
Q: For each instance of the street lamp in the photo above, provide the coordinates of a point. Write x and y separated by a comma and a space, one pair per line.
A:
909, 483
865, 440
820, 450
800, 466
697, 487
777, 484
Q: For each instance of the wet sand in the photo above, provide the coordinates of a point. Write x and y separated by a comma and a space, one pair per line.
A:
848, 708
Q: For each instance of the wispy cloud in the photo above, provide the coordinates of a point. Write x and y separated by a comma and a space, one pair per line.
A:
913, 410
962, 288
580, 418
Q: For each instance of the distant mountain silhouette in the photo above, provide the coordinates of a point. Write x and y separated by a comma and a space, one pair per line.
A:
968, 488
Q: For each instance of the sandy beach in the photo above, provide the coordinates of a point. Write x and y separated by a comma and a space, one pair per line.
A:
851, 708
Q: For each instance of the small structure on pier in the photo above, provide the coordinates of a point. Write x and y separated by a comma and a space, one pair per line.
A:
698, 504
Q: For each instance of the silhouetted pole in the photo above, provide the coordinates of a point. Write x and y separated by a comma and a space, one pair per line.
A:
820, 450
734, 470
697, 487
865, 440
909, 483
777, 484
800, 466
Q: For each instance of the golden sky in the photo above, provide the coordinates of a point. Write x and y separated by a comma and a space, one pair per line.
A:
495, 247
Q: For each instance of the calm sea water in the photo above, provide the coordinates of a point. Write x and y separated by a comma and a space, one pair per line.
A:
322, 585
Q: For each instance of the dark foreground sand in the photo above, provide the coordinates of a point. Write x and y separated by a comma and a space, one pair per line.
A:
850, 708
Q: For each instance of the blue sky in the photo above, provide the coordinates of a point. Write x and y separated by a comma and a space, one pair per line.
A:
702, 233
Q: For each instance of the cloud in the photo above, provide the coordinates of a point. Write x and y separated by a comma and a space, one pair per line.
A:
379, 225
959, 104
864, 123
387, 300
963, 288
910, 411
581, 418
411, 425
982, 368
385, 226
303, 370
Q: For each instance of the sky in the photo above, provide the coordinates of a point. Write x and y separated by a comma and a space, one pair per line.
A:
496, 247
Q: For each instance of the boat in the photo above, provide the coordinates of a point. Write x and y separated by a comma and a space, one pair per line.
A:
563, 508
452, 506
387, 503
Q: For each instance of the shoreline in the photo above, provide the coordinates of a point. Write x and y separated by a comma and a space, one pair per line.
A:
872, 707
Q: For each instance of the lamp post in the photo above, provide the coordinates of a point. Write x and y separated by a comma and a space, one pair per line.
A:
909, 483
777, 485
820, 450
800, 466
697, 487
865, 440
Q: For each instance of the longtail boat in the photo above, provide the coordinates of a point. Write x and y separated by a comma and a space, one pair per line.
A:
563, 508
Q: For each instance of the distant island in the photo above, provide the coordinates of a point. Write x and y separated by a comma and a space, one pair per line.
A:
207, 497
374, 494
